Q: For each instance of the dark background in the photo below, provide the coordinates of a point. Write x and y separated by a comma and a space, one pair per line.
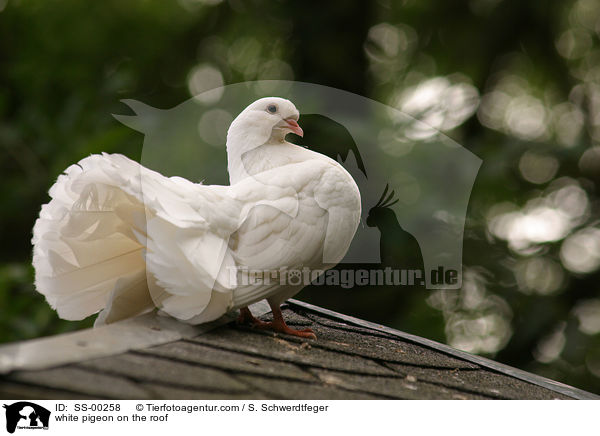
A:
517, 83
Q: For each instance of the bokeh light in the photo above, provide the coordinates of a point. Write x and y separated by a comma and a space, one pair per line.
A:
205, 82
580, 252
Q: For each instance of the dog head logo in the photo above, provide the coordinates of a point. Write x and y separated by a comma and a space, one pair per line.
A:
26, 415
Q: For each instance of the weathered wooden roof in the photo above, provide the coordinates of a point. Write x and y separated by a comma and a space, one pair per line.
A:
155, 357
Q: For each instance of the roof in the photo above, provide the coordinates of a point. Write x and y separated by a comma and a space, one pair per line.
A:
153, 357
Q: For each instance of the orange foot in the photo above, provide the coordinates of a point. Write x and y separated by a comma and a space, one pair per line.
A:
246, 317
281, 327
277, 325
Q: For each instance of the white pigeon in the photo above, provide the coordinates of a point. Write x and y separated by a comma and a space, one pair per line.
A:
120, 239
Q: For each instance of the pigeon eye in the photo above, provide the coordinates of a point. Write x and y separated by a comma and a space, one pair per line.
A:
272, 108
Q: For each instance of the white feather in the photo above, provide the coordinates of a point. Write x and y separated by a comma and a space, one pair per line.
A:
122, 239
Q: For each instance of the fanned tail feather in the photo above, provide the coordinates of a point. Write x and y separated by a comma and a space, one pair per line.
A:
84, 241
119, 238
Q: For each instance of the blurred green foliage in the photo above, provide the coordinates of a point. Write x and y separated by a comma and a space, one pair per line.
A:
517, 83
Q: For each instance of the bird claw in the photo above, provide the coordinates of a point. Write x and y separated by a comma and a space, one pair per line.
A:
277, 325
246, 317
282, 327
306, 333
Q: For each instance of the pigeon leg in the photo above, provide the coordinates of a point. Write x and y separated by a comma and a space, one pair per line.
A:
278, 325
246, 317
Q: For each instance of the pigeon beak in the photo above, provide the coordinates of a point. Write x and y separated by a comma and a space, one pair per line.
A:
294, 127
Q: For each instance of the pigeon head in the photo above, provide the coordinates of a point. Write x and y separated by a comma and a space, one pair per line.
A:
268, 119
